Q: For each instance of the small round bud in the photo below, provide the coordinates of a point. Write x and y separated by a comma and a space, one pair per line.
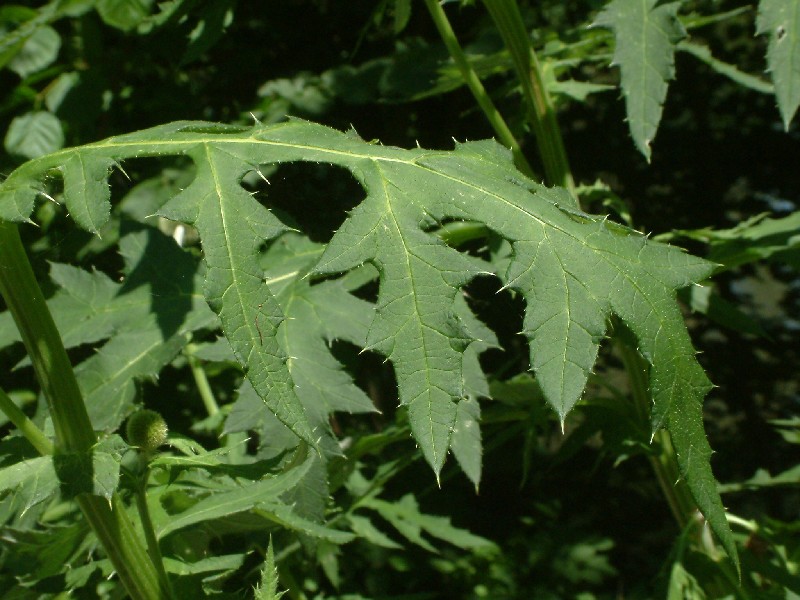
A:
147, 430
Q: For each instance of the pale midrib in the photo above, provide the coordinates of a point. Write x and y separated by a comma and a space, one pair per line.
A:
416, 305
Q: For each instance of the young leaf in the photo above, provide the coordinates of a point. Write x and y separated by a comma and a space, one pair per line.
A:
780, 20
646, 35
268, 590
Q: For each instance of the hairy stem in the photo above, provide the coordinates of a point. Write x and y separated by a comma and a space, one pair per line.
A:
73, 429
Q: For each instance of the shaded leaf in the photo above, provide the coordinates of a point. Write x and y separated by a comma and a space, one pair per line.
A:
123, 14
405, 516
364, 528
37, 52
703, 53
241, 499
213, 19
34, 134
285, 516
31, 481
212, 564
95, 472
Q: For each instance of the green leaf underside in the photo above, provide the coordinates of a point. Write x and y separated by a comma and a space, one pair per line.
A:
780, 20
574, 270
645, 35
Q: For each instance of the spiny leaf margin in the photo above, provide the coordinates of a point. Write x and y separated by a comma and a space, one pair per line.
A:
575, 270
646, 35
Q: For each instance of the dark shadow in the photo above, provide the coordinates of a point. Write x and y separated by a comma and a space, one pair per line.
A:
312, 197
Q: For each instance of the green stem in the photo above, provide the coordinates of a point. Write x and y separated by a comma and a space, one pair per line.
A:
540, 111
28, 428
460, 232
140, 495
472, 80
203, 387
665, 465
73, 429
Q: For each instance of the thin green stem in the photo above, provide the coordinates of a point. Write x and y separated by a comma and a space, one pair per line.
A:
540, 110
73, 429
140, 495
201, 381
28, 428
472, 80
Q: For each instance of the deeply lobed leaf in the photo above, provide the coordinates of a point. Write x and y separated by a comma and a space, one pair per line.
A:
574, 270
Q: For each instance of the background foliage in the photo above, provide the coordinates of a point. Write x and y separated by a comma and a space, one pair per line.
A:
556, 515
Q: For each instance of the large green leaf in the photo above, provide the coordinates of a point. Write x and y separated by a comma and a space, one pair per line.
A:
646, 34
780, 20
574, 270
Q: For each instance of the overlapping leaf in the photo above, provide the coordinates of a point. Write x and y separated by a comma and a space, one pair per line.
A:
573, 269
315, 316
262, 496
